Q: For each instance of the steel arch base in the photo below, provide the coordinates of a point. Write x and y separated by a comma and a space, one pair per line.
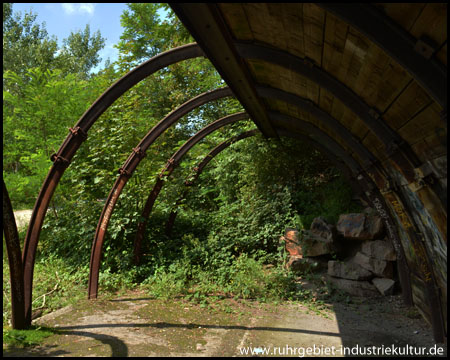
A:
15, 263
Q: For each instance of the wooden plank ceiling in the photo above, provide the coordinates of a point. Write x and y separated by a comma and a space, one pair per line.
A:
308, 31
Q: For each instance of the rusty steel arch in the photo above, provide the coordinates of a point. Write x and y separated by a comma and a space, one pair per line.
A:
172, 163
416, 190
128, 168
73, 141
397, 150
15, 263
305, 104
170, 166
308, 105
329, 121
281, 120
364, 182
199, 168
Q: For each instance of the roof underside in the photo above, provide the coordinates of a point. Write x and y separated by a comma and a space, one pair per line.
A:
396, 73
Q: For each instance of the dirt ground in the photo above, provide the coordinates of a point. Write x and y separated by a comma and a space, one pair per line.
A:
137, 325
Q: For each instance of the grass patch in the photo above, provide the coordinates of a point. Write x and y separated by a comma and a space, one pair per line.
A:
56, 285
25, 338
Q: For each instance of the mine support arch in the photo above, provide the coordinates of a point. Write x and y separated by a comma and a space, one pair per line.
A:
276, 117
127, 170
118, 187
311, 130
396, 149
122, 170
416, 189
170, 166
304, 104
80, 133
404, 160
73, 141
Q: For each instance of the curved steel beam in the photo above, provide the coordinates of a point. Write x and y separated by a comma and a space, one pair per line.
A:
400, 153
307, 69
270, 92
128, 168
168, 169
15, 263
395, 146
326, 119
74, 140
363, 180
396, 42
199, 168
134, 160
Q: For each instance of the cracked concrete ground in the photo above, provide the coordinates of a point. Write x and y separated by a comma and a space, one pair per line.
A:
136, 325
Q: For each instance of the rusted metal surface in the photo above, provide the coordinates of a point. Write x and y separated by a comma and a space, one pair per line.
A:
199, 169
396, 42
15, 263
205, 23
71, 144
424, 263
128, 168
379, 204
172, 163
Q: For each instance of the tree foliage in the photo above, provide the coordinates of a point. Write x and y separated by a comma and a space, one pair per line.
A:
27, 45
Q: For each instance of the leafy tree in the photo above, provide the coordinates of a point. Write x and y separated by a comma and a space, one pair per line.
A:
80, 51
44, 93
25, 43
145, 35
35, 121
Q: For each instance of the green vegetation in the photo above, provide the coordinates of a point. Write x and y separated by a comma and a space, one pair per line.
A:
28, 337
225, 242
